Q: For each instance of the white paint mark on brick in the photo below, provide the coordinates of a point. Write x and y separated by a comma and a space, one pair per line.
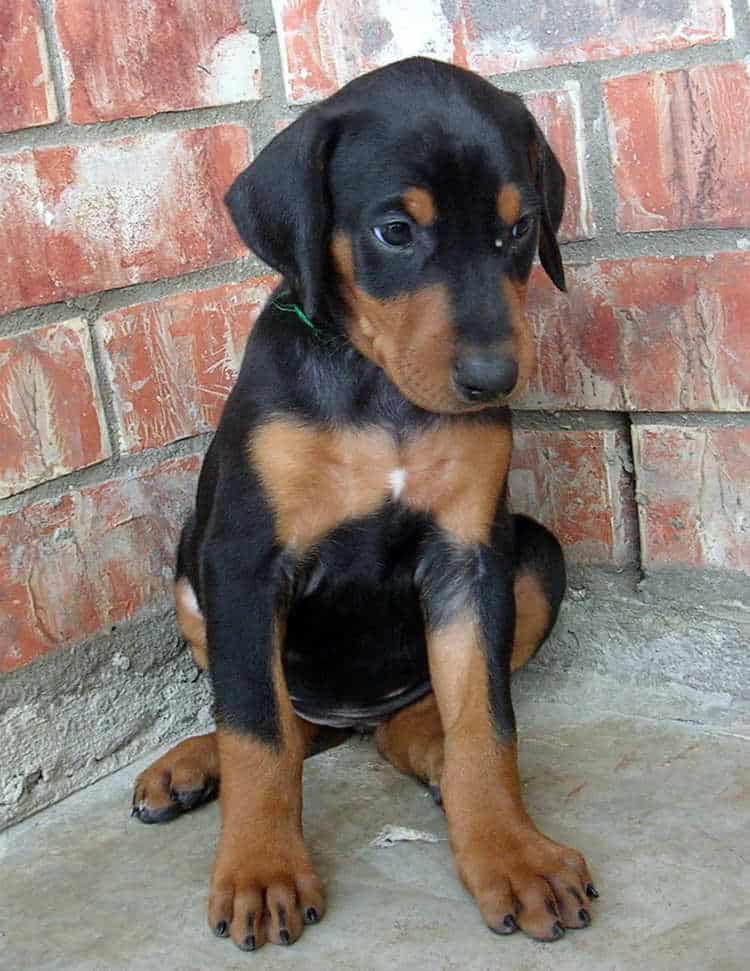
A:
45, 78
100, 202
232, 73
417, 29
584, 218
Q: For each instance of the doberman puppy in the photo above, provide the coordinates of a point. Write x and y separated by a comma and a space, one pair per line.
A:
351, 561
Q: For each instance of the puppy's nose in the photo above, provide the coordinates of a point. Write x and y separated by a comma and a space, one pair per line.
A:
481, 378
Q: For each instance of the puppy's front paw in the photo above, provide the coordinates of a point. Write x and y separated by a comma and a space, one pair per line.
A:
264, 892
186, 777
527, 881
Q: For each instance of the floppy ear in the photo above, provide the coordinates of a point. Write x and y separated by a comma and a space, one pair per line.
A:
280, 204
550, 184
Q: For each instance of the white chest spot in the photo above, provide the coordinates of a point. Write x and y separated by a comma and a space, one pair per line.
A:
397, 481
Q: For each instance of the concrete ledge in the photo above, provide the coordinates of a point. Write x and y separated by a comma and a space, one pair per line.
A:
78, 715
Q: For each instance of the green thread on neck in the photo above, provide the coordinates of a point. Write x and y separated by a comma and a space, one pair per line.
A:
294, 308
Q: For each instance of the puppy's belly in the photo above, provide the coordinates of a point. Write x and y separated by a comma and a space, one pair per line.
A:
352, 661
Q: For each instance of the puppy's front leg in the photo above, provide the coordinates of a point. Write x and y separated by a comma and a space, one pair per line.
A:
263, 885
517, 876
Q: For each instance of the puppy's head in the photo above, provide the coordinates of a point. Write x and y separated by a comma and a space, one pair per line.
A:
416, 198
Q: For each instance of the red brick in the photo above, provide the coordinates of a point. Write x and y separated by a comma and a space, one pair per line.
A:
559, 116
122, 59
51, 418
325, 44
666, 334
681, 147
90, 217
172, 363
27, 96
577, 484
72, 566
693, 496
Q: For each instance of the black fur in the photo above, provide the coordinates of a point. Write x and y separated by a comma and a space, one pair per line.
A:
357, 605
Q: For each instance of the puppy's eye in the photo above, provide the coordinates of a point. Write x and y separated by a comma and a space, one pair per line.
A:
396, 233
521, 227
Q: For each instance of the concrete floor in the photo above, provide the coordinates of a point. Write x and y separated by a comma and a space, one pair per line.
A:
661, 810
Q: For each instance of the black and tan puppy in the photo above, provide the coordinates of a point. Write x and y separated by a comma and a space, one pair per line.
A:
351, 561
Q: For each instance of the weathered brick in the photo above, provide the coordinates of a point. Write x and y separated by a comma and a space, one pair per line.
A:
559, 116
70, 567
324, 45
51, 417
681, 147
172, 363
90, 217
27, 95
578, 484
652, 334
122, 59
692, 496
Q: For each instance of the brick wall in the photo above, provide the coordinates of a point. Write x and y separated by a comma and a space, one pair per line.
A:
127, 296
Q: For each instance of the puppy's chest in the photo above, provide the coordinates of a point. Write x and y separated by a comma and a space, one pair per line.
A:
317, 478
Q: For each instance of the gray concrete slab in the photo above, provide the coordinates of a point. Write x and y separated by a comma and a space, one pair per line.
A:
660, 808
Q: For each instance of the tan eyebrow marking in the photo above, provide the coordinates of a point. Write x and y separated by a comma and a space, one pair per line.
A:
420, 205
509, 203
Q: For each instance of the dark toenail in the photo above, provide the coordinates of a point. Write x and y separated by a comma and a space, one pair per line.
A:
134, 811
311, 916
249, 942
221, 929
285, 936
584, 916
510, 922
551, 909
557, 930
591, 891
437, 795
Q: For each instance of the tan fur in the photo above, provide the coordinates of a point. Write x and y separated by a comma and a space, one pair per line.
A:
500, 855
420, 205
190, 622
409, 336
190, 766
524, 351
532, 618
318, 477
263, 880
457, 473
412, 740
509, 204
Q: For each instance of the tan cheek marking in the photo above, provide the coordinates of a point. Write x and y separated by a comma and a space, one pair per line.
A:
524, 349
317, 478
532, 618
409, 336
509, 204
362, 330
457, 474
420, 205
190, 621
